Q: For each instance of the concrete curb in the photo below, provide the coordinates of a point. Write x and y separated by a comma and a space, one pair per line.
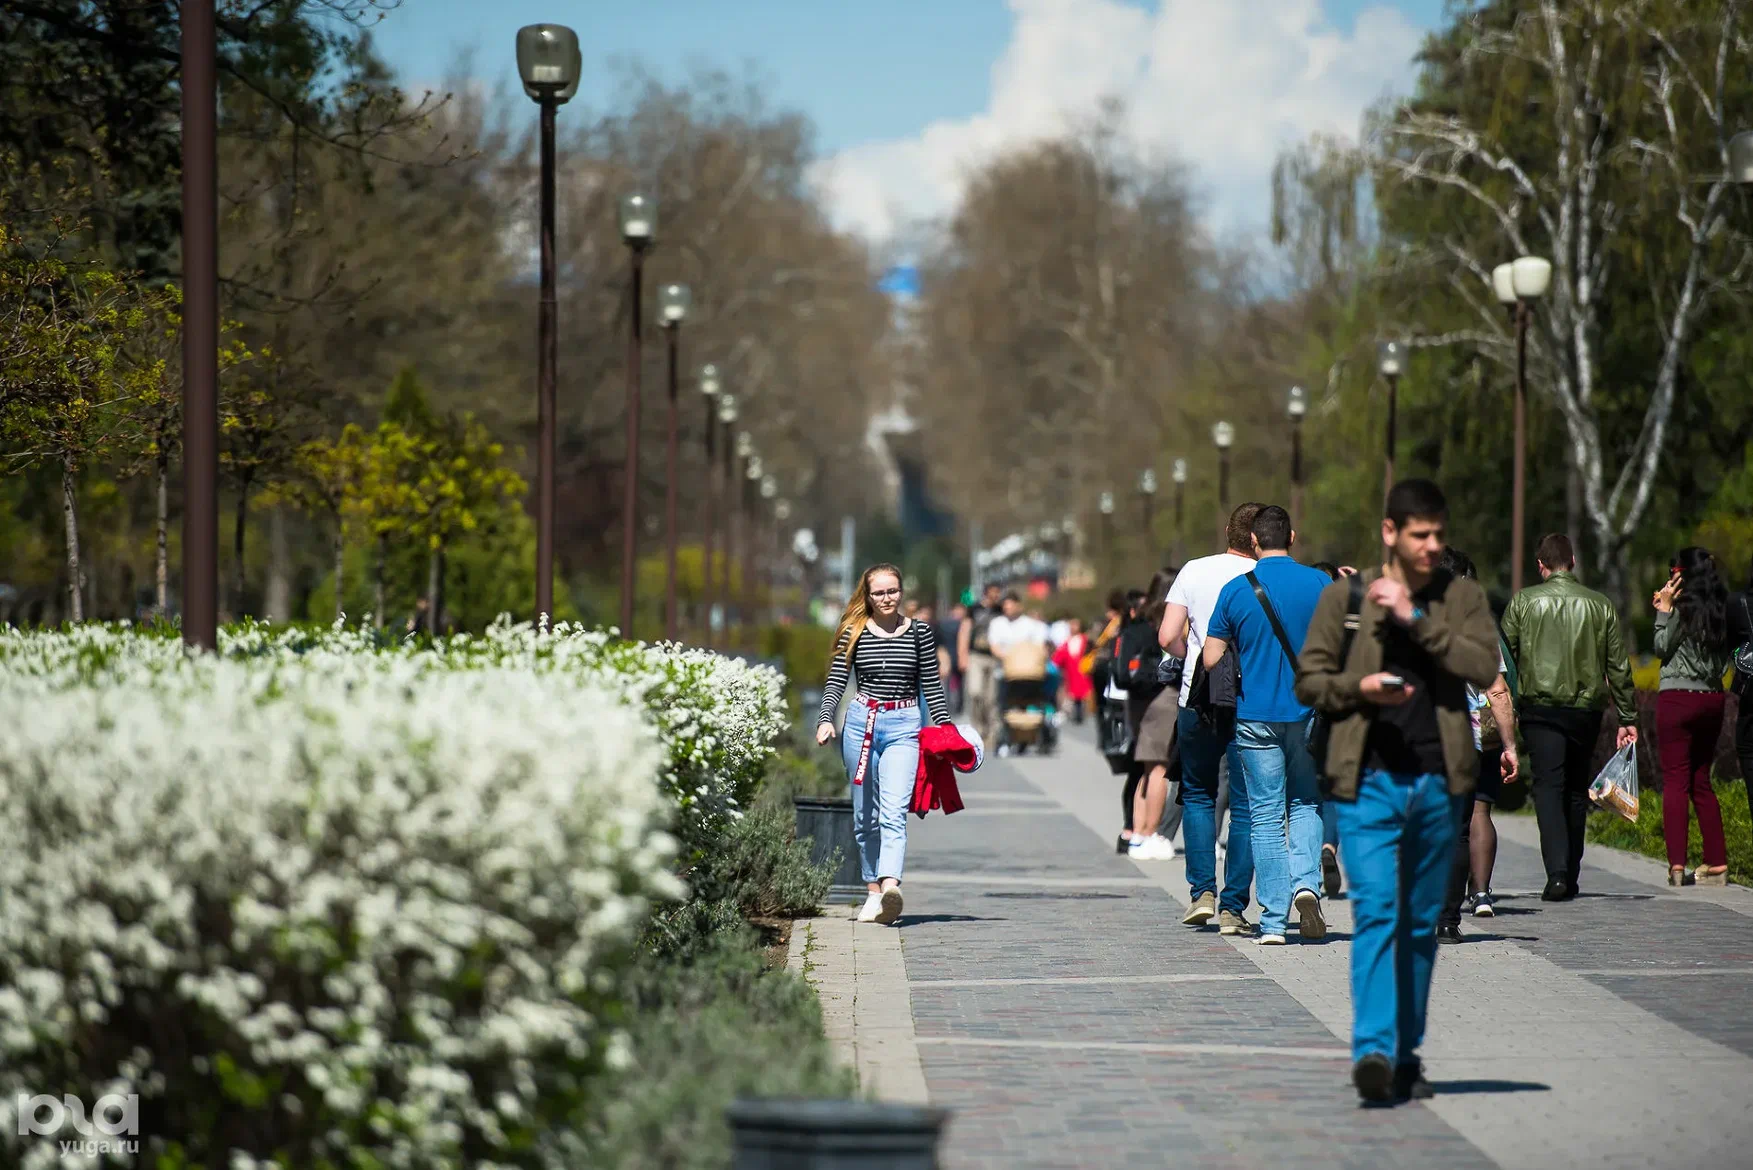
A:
860, 977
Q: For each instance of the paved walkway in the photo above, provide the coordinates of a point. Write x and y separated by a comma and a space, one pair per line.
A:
1068, 1019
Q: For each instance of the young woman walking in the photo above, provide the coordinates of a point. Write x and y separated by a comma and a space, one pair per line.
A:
1693, 642
895, 661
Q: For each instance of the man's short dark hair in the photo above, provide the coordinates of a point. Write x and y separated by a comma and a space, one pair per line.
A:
1117, 601
1415, 497
1556, 552
991, 587
1327, 567
1271, 528
1240, 527
1010, 595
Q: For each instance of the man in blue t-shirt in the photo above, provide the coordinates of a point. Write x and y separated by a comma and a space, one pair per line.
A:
1284, 798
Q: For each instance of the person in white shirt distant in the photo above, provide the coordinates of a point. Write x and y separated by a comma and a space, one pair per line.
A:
1192, 600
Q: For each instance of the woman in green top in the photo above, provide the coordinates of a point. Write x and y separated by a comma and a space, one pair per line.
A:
1692, 639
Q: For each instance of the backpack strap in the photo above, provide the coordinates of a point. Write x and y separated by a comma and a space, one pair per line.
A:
1272, 616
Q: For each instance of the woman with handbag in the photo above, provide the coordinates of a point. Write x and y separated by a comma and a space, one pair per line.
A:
1693, 641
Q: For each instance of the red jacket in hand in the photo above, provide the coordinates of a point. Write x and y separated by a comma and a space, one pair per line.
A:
942, 753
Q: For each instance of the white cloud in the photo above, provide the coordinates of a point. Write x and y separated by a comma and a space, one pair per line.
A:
1219, 84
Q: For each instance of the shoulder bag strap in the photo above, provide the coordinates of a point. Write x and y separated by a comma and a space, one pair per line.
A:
1272, 616
1353, 618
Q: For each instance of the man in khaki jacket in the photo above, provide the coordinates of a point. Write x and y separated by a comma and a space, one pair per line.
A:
1401, 749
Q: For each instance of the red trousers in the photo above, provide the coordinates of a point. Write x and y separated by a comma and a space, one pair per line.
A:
1687, 726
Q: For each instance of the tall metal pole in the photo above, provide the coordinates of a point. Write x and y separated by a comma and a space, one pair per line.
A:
1180, 528
1518, 518
1223, 499
1150, 553
735, 543
707, 583
848, 548
200, 327
546, 395
975, 585
1296, 472
673, 331
1388, 462
1107, 546
630, 505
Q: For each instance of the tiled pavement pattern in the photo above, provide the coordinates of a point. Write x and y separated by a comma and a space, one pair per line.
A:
1068, 1019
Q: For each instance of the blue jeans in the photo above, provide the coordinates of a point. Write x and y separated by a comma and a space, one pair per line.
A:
1284, 803
1330, 823
1399, 835
1201, 750
880, 804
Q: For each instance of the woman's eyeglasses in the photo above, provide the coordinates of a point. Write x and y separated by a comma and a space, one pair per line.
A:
879, 594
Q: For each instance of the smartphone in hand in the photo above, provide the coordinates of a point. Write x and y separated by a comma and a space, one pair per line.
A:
1393, 682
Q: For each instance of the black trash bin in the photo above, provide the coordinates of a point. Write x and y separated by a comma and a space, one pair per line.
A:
826, 823
834, 1135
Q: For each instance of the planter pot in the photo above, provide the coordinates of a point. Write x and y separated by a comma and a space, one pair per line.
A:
834, 1135
826, 823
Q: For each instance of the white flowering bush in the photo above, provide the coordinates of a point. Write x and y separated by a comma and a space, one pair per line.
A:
323, 900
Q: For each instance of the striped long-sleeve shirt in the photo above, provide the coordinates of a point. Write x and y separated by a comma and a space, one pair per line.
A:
902, 665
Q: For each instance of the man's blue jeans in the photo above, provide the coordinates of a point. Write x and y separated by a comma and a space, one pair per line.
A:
1201, 750
1284, 802
1398, 838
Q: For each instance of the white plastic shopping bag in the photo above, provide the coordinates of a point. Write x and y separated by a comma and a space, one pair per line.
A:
1616, 787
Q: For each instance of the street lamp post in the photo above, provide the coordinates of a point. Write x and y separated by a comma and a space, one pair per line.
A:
1223, 436
783, 566
549, 62
735, 551
1106, 506
752, 473
770, 551
1179, 474
1296, 408
673, 302
200, 70
727, 416
638, 226
1391, 362
1518, 284
1147, 496
708, 538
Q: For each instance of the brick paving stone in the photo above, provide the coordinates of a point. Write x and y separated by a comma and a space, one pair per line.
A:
1549, 1045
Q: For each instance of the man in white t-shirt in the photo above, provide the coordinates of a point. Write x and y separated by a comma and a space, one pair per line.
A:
1013, 627
1192, 599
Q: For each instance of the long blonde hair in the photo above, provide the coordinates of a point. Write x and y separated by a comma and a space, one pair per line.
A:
856, 615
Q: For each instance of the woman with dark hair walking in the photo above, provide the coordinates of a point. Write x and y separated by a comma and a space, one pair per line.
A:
1152, 707
894, 660
1693, 642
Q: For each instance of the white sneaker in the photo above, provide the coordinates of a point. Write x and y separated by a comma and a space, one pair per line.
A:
888, 906
1152, 848
1271, 940
873, 906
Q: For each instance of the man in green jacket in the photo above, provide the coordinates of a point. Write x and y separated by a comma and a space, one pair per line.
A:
1569, 649
1400, 751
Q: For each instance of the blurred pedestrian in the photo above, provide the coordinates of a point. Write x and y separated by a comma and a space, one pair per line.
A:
1152, 708
1692, 640
1069, 658
1205, 748
1265, 615
979, 667
1741, 637
949, 638
1476, 838
1569, 650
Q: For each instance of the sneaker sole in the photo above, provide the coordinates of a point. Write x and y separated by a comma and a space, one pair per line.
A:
891, 908
1310, 924
1199, 916
1484, 912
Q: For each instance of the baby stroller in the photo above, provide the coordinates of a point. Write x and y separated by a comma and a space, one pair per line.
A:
1025, 702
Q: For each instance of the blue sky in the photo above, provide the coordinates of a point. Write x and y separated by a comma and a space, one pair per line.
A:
876, 75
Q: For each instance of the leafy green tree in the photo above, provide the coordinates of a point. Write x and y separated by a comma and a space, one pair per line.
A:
326, 476
65, 396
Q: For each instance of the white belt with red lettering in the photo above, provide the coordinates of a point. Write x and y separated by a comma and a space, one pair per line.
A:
873, 708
